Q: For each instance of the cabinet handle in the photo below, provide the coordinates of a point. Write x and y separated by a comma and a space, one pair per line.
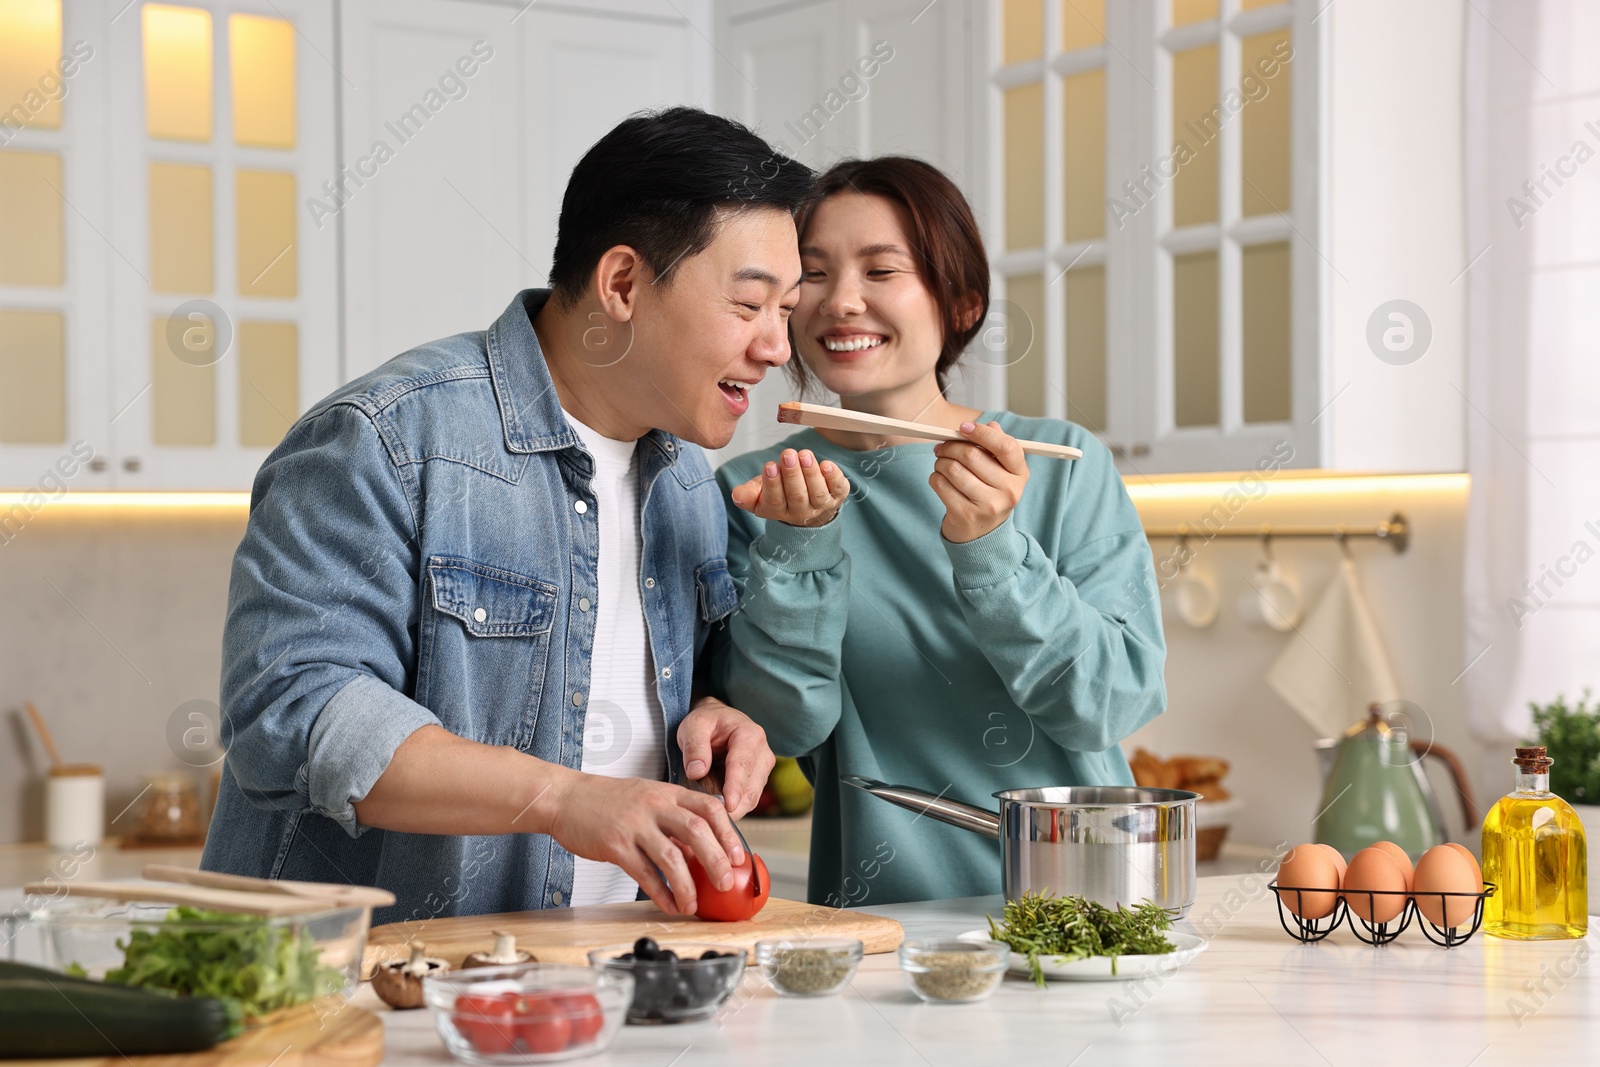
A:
1141, 449
132, 464
97, 464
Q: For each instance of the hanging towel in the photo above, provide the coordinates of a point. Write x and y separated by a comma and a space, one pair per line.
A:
1334, 668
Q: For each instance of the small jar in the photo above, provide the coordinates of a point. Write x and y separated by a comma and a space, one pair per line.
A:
809, 967
954, 972
171, 809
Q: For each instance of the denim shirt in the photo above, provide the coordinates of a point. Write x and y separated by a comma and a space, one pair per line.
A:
422, 549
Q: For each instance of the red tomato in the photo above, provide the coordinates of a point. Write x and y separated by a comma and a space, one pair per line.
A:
583, 1012
737, 904
541, 1022
486, 1022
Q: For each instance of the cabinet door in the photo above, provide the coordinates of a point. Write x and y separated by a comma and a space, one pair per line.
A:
54, 402
223, 300
586, 73
433, 207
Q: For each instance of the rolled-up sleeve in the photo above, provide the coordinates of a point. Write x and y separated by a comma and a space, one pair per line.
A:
319, 649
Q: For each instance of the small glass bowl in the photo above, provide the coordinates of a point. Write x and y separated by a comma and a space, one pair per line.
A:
527, 1012
683, 990
809, 967
953, 972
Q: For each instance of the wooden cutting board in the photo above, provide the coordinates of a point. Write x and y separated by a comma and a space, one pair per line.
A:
295, 1037
565, 935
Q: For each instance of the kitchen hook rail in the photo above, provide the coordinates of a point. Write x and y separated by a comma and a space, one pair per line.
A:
1396, 532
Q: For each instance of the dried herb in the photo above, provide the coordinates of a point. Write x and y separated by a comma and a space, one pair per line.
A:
1075, 928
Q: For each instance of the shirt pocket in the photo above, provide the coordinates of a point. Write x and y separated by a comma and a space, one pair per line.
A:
491, 602
718, 596
486, 647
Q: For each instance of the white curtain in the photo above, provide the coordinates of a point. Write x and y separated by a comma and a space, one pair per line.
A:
1533, 369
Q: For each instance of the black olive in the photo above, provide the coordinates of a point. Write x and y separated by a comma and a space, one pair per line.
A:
711, 954
626, 956
646, 949
668, 956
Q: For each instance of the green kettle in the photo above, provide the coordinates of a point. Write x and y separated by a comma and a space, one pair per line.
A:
1374, 788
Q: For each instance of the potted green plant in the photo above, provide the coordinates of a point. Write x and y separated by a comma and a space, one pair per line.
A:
1571, 735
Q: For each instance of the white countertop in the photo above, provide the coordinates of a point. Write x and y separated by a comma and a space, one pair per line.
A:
1255, 996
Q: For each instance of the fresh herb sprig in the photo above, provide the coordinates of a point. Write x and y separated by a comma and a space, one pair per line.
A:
1075, 928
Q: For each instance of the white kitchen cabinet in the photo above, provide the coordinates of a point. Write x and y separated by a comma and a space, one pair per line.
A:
189, 134
462, 214
1220, 309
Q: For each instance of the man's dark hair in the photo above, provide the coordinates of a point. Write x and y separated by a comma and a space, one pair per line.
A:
656, 182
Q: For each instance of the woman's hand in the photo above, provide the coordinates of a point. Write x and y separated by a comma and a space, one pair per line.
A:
795, 489
979, 480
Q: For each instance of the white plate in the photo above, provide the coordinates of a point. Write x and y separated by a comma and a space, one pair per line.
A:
1098, 968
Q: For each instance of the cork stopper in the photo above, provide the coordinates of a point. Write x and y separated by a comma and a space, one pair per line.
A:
1532, 760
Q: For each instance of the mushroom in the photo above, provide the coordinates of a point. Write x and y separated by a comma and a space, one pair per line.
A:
504, 953
398, 983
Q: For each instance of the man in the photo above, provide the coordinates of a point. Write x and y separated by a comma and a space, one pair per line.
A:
465, 618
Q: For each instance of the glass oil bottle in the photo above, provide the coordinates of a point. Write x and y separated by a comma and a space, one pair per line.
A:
1534, 852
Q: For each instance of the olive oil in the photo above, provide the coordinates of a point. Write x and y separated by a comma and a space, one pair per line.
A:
1534, 852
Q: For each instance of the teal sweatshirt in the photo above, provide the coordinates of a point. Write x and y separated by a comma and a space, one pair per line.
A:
873, 646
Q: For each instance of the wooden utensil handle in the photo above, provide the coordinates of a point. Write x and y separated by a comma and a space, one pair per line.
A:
828, 418
354, 895
199, 896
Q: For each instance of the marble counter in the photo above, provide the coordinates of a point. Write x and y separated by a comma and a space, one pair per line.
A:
1254, 996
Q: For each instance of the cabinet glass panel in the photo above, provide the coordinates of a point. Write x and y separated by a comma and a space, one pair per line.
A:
1265, 277
1083, 148
32, 241
1264, 123
31, 90
180, 228
1196, 377
1025, 351
177, 72
264, 203
1187, 11
183, 384
269, 377
1022, 33
33, 378
1024, 119
1086, 347
1083, 24
261, 62
1196, 123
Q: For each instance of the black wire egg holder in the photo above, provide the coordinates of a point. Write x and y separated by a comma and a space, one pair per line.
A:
1310, 931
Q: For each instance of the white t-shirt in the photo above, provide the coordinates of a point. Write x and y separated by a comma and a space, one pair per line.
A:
624, 734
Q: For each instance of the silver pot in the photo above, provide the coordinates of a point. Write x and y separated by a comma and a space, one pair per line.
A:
1112, 844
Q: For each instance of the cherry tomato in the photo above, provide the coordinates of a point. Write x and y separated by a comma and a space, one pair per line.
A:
737, 904
541, 1023
583, 1012
486, 1022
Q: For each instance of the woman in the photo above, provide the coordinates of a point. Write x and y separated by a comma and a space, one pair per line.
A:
973, 619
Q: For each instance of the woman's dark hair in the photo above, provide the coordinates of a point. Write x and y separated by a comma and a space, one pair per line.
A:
945, 241
656, 182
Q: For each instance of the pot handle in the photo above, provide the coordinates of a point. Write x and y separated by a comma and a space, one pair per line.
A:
957, 814
1458, 774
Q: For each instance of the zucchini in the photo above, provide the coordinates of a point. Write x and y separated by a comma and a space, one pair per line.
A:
58, 1015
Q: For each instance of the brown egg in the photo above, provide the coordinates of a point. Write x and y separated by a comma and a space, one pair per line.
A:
1465, 852
1338, 859
1443, 870
1400, 858
1307, 867
1375, 870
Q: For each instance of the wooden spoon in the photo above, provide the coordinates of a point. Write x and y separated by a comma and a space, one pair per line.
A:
823, 417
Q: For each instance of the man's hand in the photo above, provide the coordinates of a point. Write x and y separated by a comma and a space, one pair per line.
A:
639, 825
980, 480
712, 729
795, 489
